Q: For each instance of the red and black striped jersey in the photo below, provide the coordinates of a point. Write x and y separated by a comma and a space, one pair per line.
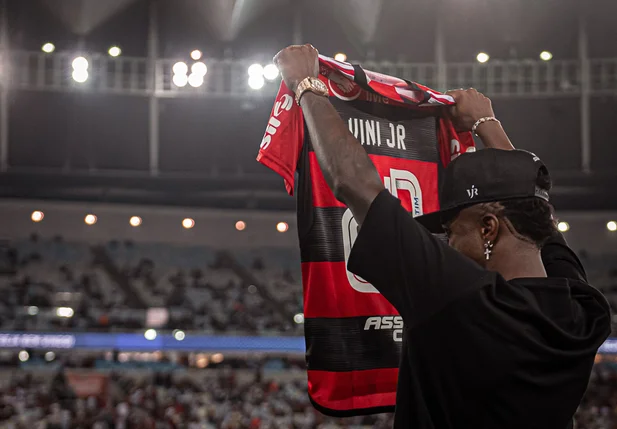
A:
353, 334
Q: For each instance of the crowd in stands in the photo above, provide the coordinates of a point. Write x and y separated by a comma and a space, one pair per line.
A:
225, 399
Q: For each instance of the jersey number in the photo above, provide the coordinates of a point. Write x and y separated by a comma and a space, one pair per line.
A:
399, 180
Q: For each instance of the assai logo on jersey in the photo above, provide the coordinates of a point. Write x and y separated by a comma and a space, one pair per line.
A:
283, 104
379, 323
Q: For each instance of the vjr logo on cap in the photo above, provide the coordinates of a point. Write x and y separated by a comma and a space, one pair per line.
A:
472, 192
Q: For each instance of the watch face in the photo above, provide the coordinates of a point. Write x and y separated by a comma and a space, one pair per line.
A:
320, 86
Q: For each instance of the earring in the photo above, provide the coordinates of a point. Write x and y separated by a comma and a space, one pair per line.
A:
488, 249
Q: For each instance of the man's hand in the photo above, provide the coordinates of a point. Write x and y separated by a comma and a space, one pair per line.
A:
471, 105
296, 63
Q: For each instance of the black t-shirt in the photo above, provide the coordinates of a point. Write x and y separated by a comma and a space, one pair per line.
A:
480, 351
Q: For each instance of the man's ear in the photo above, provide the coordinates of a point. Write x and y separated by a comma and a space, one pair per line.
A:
490, 227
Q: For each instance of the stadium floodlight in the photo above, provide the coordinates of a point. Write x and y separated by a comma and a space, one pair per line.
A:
180, 80
256, 82
48, 48
240, 225
49, 356
179, 335
188, 223
80, 76
23, 356
66, 312
546, 56
482, 57
150, 334
611, 226
282, 227
340, 57
135, 221
90, 219
217, 358
299, 318
180, 68
256, 70
196, 54
271, 72
37, 216
80, 63
115, 51
199, 68
196, 80
563, 226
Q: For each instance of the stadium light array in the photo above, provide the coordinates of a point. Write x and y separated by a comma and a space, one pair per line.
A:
180, 68
23, 356
256, 82
66, 312
179, 335
240, 225
611, 226
37, 216
90, 219
482, 57
340, 57
563, 226
196, 54
282, 227
256, 70
115, 51
271, 72
199, 68
80, 69
135, 221
48, 48
180, 80
188, 223
195, 80
546, 56
150, 334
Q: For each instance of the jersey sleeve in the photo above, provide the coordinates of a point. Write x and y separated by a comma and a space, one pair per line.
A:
416, 272
282, 142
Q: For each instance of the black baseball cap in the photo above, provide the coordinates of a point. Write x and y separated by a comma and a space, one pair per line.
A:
484, 176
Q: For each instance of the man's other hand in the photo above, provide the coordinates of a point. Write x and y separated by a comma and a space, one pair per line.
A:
296, 63
471, 105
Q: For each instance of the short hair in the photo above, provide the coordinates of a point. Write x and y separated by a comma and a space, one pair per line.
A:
532, 217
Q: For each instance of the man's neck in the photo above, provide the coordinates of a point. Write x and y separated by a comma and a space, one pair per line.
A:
521, 261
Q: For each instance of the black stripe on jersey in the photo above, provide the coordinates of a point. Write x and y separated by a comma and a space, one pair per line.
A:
377, 126
324, 240
344, 345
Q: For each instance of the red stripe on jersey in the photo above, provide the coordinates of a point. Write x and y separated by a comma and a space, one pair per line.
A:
354, 389
322, 299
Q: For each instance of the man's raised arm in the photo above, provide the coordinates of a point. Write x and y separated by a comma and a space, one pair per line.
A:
348, 170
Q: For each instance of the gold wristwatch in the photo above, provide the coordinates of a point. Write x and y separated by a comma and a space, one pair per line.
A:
312, 84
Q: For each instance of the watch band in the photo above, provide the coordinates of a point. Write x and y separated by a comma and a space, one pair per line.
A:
313, 85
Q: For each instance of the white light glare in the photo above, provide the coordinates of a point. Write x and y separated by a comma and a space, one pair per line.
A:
33, 310
282, 227
196, 54
483, 57
48, 48
150, 334
80, 63
256, 70
271, 72
49, 356
135, 221
188, 223
611, 226
90, 219
256, 82
180, 80
179, 335
299, 318
199, 68
240, 225
196, 80
563, 226
80, 76
180, 68
115, 51
546, 56
23, 356
37, 216
66, 312
340, 57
